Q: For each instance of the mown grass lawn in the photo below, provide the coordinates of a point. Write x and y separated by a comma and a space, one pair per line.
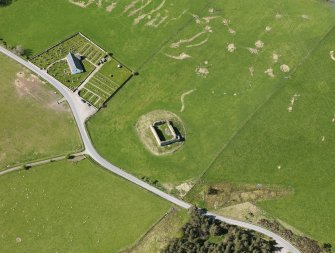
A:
32, 126
64, 207
293, 149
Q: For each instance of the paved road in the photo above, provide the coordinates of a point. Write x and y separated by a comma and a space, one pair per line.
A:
77, 105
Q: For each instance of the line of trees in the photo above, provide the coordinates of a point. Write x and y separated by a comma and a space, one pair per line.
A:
205, 234
18, 49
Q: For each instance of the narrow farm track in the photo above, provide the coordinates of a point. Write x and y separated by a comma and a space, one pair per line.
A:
77, 105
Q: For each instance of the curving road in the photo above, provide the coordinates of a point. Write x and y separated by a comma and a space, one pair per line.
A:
81, 112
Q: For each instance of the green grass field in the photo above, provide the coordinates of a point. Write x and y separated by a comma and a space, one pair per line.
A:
32, 125
64, 207
223, 101
188, 51
292, 148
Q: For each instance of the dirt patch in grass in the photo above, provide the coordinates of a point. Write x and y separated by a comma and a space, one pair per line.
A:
182, 56
269, 72
111, 7
231, 47
217, 196
244, 211
29, 86
147, 137
182, 99
284, 68
82, 4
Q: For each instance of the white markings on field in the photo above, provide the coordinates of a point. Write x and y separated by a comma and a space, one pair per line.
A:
278, 16
198, 44
177, 44
269, 72
292, 101
231, 47
231, 31
251, 71
82, 4
226, 22
133, 10
178, 17
305, 17
208, 19
202, 71
275, 57
332, 56
284, 68
130, 6
333, 120
253, 50
111, 7
268, 29
182, 56
157, 21
182, 97
259, 44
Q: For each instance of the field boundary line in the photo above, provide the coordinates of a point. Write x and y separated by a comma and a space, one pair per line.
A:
143, 236
57, 44
36, 163
267, 100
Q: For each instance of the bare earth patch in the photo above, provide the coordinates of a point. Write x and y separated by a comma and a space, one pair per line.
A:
29, 86
231, 31
269, 72
332, 56
184, 188
251, 71
284, 68
218, 196
82, 4
275, 57
147, 138
202, 71
182, 56
226, 22
177, 44
245, 212
198, 44
111, 7
231, 47
292, 101
278, 16
182, 97
253, 50
259, 44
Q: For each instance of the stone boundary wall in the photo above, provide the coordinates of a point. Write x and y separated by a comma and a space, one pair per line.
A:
57, 44
68, 38
158, 140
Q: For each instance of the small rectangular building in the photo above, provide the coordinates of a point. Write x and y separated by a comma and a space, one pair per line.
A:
75, 64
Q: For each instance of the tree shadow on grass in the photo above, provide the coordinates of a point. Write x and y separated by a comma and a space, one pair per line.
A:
4, 3
27, 52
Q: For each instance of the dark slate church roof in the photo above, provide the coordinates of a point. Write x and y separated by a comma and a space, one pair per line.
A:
74, 63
